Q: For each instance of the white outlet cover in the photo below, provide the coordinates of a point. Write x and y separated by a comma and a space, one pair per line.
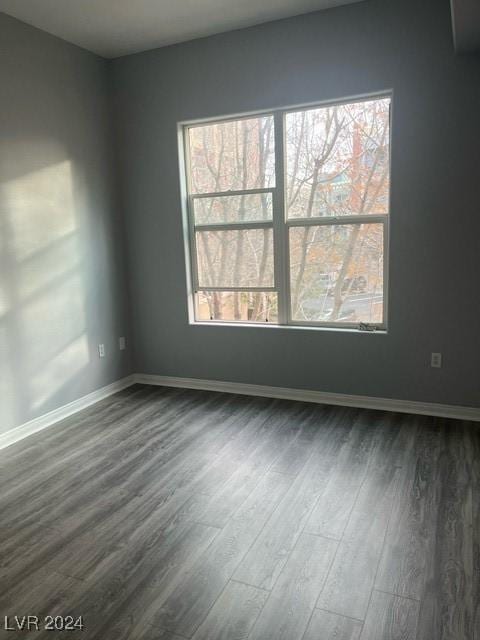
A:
122, 343
101, 350
436, 360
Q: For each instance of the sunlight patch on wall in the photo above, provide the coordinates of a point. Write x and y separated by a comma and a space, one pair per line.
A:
4, 297
59, 369
52, 322
8, 418
41, 208
48, 266
45, 296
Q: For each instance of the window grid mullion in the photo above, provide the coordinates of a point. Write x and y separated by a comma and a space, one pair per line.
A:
386, 262
234, 226
191, 217
264, 289
280, 239
370, 218
384, 220
226, 194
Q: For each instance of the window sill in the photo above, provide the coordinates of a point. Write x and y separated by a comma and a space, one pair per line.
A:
288, 327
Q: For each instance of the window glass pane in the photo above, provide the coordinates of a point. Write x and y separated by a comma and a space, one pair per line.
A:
235, 258
238, 306
232, 155
221, 209
337, 273
338, 160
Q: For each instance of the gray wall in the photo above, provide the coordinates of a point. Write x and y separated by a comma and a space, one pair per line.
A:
434, 298
61, 270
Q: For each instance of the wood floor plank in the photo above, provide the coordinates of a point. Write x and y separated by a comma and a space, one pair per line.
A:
125, 632
184, 610
234, 613
43, 593
116, 593
294, 458
473, 434
289, 607
265, 560
142, 523
217, 508
84, 434
390, 618
113, 522
262, 455
147, 633
150, 512
447, 607
81, 481
329, 626
331, 512
90, 496
352, 575
20, 553
408, 543
296, 455
258, 446
351, 578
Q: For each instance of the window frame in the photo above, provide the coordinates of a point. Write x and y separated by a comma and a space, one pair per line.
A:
280, 223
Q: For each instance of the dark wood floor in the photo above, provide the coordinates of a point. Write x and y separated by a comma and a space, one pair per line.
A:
170, 514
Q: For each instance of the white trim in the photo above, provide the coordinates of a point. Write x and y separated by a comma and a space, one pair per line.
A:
302, 106
52, 417
232, 193
302, 395
247, 289
321, 397
280, 232
280, 222
336, 221
342, 327
246, 225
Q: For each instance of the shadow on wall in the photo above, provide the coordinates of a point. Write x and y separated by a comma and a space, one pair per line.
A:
44, 342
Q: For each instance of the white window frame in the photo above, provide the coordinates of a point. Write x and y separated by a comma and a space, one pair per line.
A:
280, 224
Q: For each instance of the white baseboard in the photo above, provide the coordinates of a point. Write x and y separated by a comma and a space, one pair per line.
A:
50, 418
321, 397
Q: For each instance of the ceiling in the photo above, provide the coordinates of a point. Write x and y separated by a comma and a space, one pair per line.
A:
114, 28
466, 25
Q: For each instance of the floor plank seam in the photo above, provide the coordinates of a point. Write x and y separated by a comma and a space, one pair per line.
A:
387, 528
302, 531
64, 574
340, 615
334, 555
396, 595
237, 565
208, 524
308, 623
327, 573
163, 631
288, 555
320, 535
207, 613
247, 584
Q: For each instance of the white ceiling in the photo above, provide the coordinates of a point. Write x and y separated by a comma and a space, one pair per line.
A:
114, 28
466, 24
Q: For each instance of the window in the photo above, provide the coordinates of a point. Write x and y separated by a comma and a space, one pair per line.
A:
289, 216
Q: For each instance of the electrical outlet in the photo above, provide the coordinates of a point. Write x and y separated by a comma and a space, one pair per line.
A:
122, 343
101, 350
436, 360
